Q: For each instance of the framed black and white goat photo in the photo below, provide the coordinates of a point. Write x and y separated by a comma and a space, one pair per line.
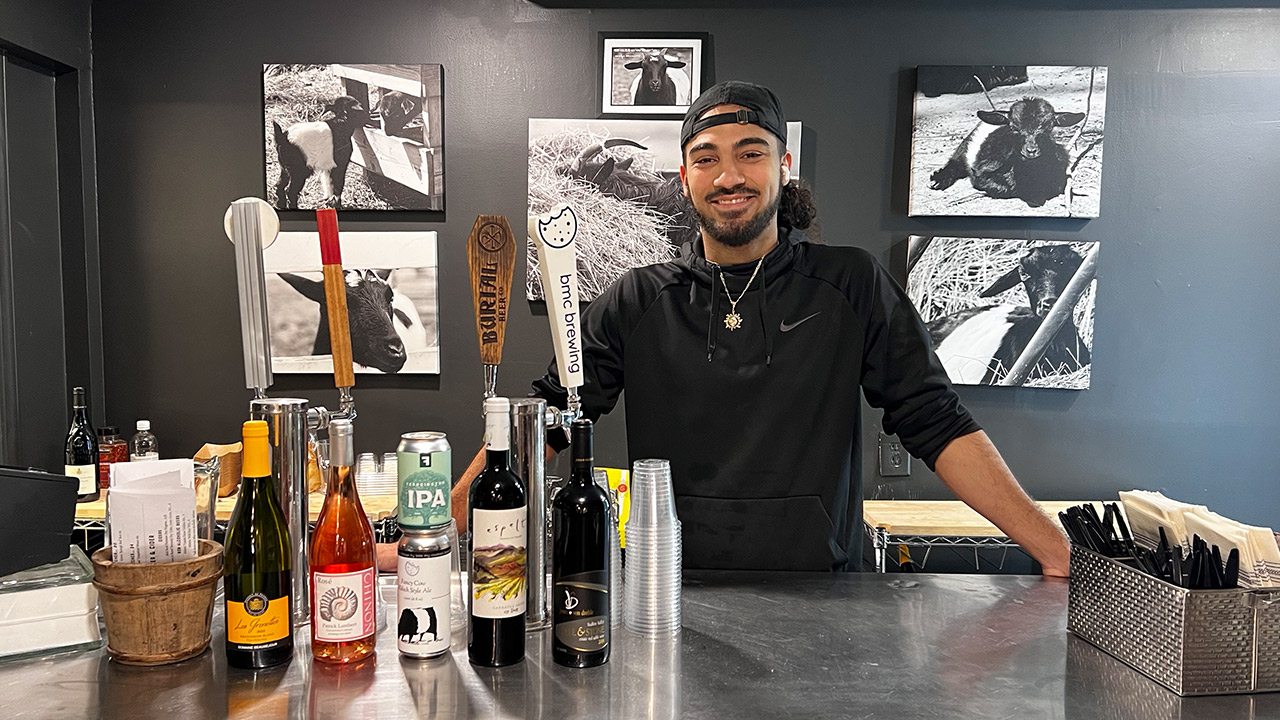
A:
1007, 312
354, 137
392, 308
1008, 140
647, 74
622, 179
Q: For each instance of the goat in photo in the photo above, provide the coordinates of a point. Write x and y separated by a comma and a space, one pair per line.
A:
322, 148
371, 304
396, 110
660, 81
614, 178
979, 345
1012, 153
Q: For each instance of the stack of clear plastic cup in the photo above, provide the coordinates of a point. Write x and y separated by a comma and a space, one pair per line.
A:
651, 590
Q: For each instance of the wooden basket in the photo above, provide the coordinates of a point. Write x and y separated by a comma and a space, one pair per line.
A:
158, 613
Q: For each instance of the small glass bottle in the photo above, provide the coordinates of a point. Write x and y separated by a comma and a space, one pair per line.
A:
111, 449
144, 445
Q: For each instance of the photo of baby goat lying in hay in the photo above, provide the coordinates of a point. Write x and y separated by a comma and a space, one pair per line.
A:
1021, 141
1007, 312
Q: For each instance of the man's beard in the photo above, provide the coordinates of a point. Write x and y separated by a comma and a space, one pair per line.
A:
739, 232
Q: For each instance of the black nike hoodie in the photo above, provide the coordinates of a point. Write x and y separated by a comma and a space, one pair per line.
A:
762, 424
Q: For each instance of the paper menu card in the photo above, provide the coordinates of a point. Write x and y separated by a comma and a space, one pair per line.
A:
151, 511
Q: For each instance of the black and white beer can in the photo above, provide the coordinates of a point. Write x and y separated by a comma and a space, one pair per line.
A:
422, 600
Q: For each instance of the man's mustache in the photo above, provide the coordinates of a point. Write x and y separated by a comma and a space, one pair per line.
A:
739, 190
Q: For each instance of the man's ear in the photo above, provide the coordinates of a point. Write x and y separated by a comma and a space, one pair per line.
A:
684, 182
786, 168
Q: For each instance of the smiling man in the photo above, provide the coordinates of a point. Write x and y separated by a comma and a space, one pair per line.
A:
745, 361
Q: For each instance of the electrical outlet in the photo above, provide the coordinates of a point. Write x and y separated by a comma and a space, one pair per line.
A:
894, 460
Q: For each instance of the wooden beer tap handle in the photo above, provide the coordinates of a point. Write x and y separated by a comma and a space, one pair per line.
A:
491, 256
335, 298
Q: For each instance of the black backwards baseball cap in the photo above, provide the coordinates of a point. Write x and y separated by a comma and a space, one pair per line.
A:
762, 108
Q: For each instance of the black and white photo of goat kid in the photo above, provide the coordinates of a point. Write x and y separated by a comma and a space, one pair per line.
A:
1008, 140
353, 137
1007, 312
391, 281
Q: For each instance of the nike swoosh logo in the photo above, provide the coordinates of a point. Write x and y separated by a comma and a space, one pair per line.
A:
784, 327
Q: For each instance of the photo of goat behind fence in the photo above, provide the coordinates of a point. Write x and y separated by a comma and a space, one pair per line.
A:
1008, 140
614, 235
983, 300
355, 137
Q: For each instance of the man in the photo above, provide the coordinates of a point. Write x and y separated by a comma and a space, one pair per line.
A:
745, 359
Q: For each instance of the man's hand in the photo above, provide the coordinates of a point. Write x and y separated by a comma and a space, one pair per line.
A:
972, 467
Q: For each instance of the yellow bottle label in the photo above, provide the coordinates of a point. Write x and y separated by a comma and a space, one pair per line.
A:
257, 621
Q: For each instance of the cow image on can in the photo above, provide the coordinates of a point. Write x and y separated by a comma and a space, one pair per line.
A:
424, 464
423, 626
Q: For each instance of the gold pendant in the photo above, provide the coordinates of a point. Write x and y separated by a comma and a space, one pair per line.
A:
733, 321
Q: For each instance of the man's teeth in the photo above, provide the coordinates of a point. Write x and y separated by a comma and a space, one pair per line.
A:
735, 201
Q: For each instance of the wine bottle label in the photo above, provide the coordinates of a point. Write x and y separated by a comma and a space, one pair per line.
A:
344, 605
87, 475
258, 622
425, 482
582, 611
422, 602
497, 562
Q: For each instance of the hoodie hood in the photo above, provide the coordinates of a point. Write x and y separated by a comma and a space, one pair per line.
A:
777, 261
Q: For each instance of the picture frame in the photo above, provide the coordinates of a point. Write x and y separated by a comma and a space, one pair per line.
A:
622, 61
389, 153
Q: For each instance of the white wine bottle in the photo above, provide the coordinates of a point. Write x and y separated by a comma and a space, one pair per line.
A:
257, 565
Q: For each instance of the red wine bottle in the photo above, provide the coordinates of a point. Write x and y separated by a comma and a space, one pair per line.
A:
580, 561
81, 450
496, 516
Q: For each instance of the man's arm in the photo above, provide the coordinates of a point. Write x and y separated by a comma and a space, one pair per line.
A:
972, 467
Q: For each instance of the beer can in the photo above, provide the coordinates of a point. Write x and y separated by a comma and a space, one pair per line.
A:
424, 465
423, 627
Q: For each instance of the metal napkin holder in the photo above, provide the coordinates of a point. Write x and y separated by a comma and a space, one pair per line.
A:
1194, 642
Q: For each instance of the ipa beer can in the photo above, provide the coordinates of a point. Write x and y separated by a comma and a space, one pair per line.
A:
424, 465
422, 596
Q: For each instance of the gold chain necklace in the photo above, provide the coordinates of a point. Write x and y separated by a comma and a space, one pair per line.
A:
733, 320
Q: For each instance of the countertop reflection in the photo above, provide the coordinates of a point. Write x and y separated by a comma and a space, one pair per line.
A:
754, 645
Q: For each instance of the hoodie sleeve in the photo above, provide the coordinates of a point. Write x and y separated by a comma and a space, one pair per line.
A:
902, 375
603, 332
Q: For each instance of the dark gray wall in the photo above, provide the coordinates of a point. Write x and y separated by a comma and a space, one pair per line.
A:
1184, 386
50, 331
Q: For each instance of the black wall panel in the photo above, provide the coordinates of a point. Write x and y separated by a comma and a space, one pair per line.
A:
1184, 379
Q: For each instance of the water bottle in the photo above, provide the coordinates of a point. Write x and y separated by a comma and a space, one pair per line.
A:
143, 445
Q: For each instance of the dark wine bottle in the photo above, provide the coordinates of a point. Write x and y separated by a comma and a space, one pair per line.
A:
257, 564
497, 511
81, 450
580, 561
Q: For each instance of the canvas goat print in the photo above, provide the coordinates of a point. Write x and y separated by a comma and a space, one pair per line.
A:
1007, 312
1008, 140
354, 137
622, 179
391, 287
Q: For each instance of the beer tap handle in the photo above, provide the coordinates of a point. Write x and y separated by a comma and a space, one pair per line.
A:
335, 297
252, 226
491, 258
554, 235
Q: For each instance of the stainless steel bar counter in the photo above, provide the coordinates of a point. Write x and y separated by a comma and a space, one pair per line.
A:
754, 645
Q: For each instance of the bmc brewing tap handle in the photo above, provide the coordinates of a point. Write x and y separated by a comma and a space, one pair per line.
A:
554, 235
